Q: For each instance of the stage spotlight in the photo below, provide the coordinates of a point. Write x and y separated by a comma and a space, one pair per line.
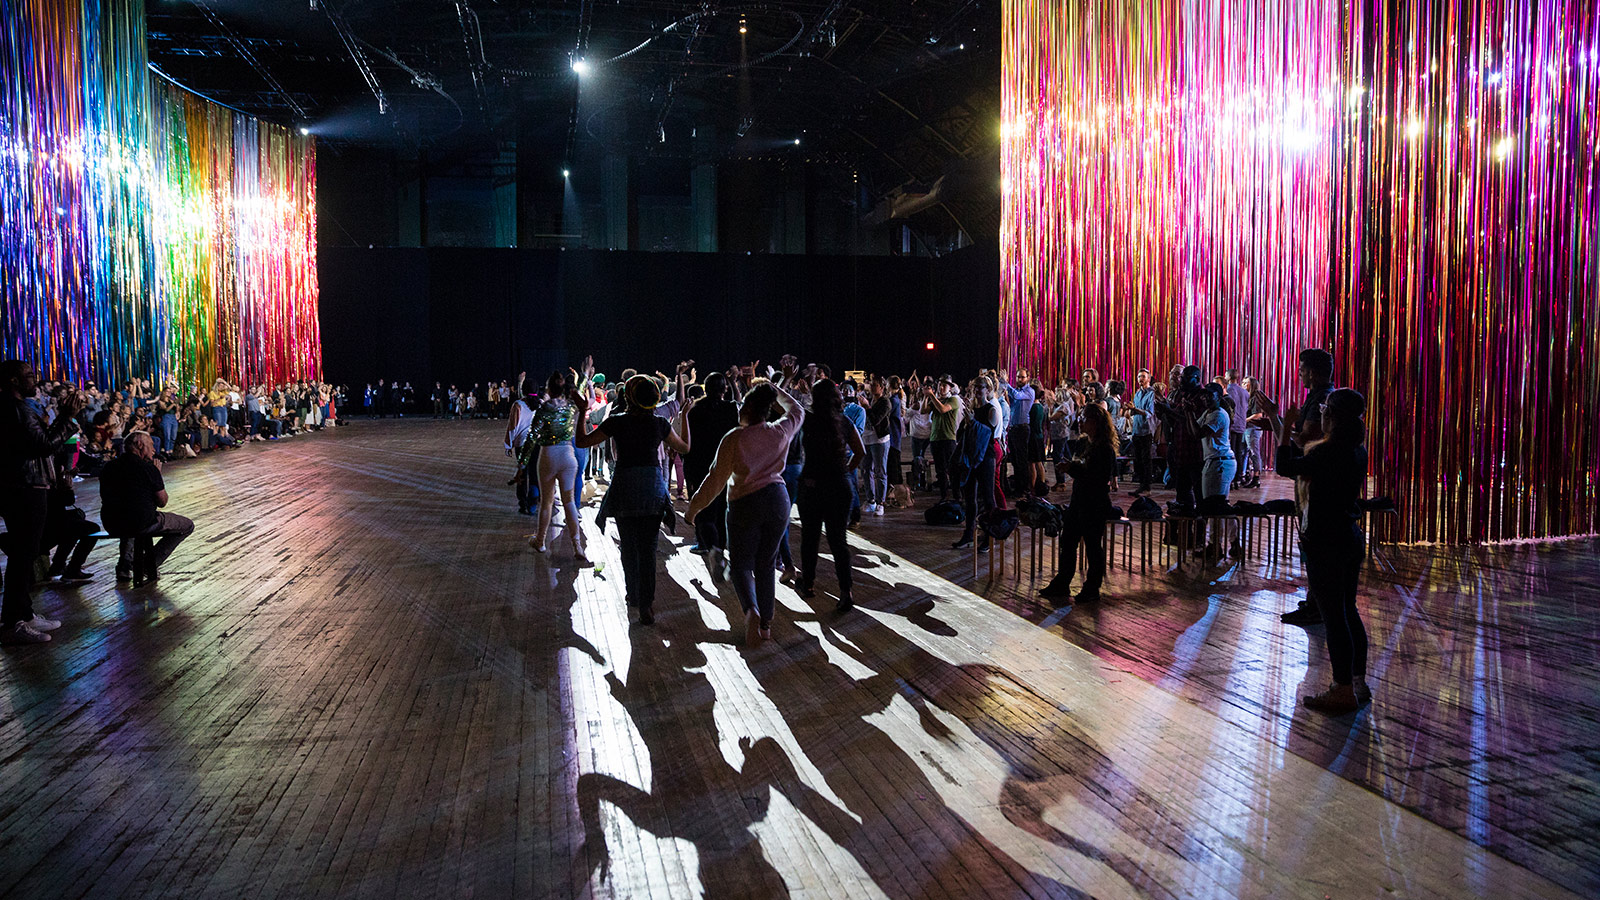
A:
566, 173
929, 345
1414, 129
304, 131
797, 142
580, 66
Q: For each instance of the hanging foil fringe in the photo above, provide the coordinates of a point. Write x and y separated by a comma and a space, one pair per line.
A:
1411, 185
144, 232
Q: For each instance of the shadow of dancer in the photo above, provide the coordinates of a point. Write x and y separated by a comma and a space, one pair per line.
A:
1049, 757
910, 842
696, 795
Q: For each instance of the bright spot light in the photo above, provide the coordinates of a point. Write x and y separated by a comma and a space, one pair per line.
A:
566, 173
929, 345
1005, 130
1503, 148
581, 66
797, 142
304, 130
743, 30
1299, 140
1414, 129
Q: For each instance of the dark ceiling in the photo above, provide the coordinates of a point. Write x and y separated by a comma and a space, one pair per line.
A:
905, 90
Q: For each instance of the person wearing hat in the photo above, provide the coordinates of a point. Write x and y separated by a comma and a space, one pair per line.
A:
637, 497
1329, 473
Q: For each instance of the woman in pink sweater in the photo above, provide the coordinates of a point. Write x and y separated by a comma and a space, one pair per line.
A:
749, 465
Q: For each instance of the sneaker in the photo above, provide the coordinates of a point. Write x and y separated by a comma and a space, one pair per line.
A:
806, 591
752, 629
698, 550
877, 509
844, 605
1304, 614
1087, 596
790, 576
21, 633
983, 546
124, 574
1337, 700
718, 569
647, 616
77, 576
866, 509
1363, 692
40, 623
961, 544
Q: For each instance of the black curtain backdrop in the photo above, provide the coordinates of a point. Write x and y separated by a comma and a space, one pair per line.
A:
461, 315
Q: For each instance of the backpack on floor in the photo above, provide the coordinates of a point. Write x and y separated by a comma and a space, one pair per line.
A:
945, 512
999, 523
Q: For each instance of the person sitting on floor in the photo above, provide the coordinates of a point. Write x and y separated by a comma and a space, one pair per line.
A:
132, 494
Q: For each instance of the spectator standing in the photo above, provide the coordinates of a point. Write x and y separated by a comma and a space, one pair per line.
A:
27, 449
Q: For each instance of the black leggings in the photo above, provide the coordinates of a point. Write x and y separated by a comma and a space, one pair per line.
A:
942, 452
824, 506
1333, 572
638, 547
1090, 528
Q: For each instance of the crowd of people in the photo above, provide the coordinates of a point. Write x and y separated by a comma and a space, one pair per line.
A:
742, 447
186, 421
53, 435
747, 445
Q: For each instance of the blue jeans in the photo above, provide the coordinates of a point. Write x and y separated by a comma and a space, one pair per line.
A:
791, 483
756, 523
583, 466
919, 449
169, 432
877, 473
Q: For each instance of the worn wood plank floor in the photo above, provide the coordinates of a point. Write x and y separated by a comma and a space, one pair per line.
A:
357, 680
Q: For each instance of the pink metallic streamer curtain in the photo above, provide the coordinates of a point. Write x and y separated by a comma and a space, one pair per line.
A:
144, 231
1411, 185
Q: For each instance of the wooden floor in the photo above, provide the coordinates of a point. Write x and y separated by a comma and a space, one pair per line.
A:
357, 680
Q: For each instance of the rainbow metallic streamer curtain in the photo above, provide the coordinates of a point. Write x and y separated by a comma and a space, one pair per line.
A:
144, 232
1411, 185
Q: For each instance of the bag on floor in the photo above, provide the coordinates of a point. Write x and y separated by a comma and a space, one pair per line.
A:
945, 512
1144, 509
999, 523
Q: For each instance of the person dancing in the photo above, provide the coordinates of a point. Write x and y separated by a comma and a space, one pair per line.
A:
749, 464
552, 432
1329, 473
637, 497
833, 449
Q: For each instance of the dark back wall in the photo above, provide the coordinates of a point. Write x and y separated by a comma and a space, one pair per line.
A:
469, 315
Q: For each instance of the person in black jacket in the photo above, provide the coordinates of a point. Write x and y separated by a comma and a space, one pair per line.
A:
709, 419
27, 446
1329, 474
1085, 517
